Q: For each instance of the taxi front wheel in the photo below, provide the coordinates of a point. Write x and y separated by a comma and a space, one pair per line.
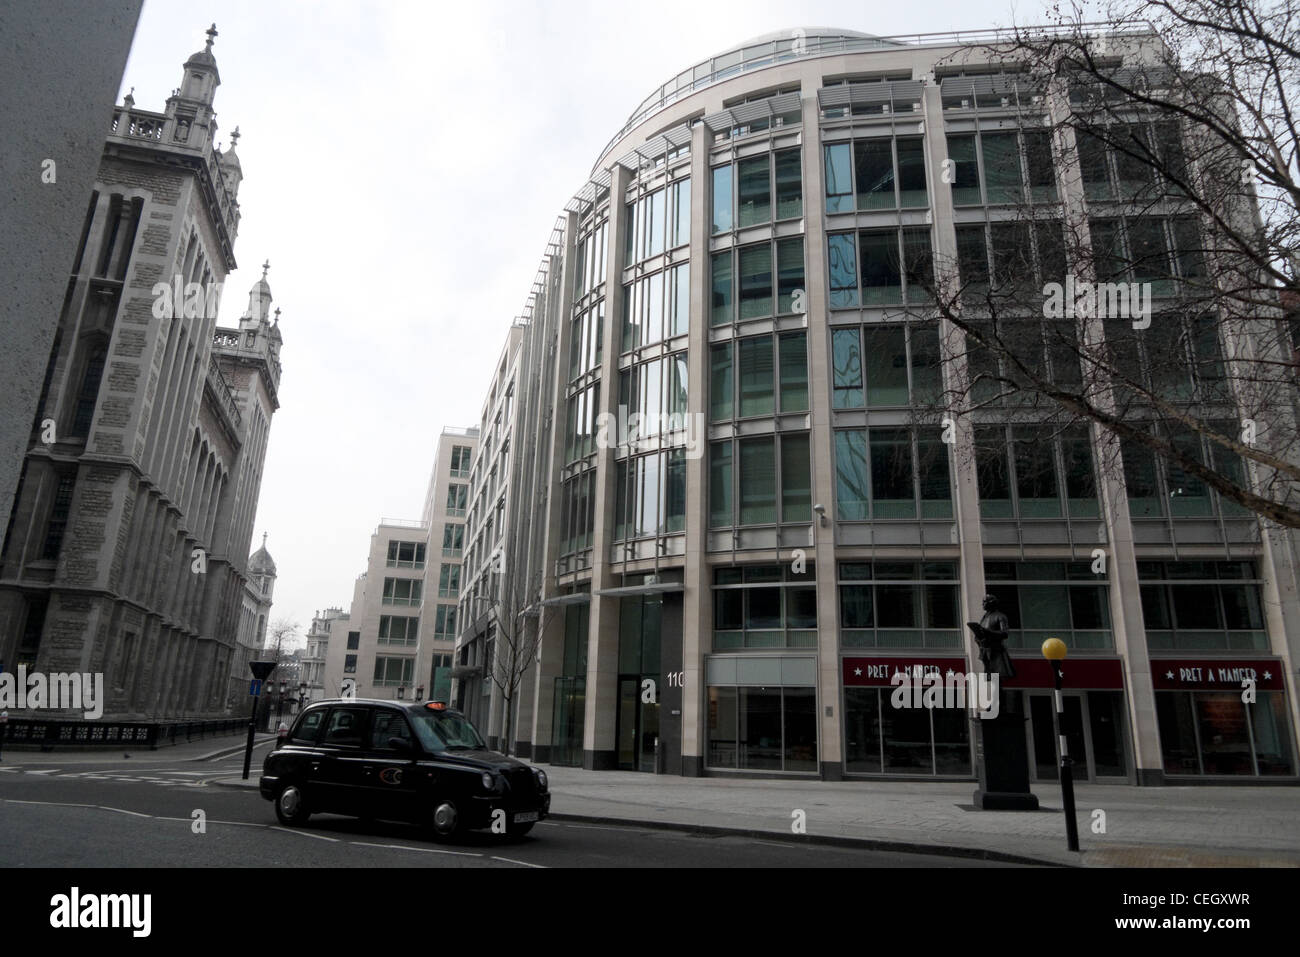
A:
291, 806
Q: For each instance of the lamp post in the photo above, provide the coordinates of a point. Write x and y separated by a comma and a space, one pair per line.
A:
279, 711
1054, 650
302, 695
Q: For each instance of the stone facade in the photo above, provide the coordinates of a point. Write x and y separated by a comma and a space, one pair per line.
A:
126, 548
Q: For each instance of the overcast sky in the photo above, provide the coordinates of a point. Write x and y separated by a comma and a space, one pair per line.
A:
404, 163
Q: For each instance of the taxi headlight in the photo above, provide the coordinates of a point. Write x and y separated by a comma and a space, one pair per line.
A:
489, 782
541, 778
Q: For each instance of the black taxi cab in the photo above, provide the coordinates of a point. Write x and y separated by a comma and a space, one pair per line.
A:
423, 763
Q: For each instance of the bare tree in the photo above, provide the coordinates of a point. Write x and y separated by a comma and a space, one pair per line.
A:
1139, 265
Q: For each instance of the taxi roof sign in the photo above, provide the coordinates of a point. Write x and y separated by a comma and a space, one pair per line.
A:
437, 706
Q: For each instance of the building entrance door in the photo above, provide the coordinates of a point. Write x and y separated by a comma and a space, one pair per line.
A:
1044, 742
638, 724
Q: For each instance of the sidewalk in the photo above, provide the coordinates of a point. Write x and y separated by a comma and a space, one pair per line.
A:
207, 749
1145, 827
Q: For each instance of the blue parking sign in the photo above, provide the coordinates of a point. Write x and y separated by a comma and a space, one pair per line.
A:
254, 688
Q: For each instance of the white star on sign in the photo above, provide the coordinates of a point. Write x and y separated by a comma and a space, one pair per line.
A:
857, 671
1169, 675
1267, 675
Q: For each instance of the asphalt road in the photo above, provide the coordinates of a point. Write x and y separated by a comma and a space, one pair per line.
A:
102, 815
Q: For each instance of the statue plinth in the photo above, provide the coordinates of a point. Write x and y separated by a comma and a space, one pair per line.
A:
1001, 753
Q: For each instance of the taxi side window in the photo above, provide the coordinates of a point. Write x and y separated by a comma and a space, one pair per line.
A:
307, 730
385, 725
344, 727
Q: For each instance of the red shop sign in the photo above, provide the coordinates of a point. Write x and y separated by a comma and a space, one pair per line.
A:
1094, 674
875, 672
1215, 674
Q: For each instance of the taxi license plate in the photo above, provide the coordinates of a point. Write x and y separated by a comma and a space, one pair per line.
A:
525, 817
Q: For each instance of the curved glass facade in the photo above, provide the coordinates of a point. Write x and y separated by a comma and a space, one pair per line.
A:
753, 471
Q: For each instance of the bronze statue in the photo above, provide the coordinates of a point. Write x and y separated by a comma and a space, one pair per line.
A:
991, 636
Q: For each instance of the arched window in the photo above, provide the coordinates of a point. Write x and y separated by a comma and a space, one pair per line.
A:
89, 393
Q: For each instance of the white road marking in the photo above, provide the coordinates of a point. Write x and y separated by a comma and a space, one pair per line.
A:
289, 830
407, 847
511, 860
120, 810
50, 771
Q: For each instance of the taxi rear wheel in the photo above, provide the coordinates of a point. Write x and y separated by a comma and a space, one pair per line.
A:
291, 806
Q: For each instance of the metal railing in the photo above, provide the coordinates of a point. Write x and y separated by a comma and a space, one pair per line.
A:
758, 56
51, 733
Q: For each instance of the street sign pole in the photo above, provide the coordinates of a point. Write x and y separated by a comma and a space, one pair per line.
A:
260, 671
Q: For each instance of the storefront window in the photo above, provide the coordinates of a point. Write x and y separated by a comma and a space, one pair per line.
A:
770, 726
879, 738
1216, 733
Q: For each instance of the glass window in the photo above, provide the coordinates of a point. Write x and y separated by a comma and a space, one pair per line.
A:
1036, 474
756, 372
886, 352
720, 484
882, 280
972, 259
756, 281
344, 727
839, 178
933, 471
1144, 499
796, 479
1002, 179
655, 225
793, 350
964, 173
992, 474
722, 198
911, 172
851, 488
720, 382
892, 494
873, 168
758, 485
679, 233
722, 312
754, 194
847, 369
679, 302
790, 276
1042, 178
843, 270
789, 184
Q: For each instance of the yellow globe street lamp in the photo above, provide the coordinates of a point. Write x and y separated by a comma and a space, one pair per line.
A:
1054, 650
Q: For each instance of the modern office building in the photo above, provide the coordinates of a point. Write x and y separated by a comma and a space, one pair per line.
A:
738, 525
401, 627
127, 550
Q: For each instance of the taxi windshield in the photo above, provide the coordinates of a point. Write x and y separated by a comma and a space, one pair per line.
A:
441, 731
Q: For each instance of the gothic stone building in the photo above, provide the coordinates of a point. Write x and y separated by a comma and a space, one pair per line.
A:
127, 547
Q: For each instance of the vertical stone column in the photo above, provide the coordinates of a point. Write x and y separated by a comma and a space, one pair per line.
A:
1127, 625
697, 597
602, 655
822, 549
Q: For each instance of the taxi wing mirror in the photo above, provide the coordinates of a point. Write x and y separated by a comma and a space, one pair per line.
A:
402, 745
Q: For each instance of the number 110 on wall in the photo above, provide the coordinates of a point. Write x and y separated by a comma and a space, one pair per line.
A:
676, 679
